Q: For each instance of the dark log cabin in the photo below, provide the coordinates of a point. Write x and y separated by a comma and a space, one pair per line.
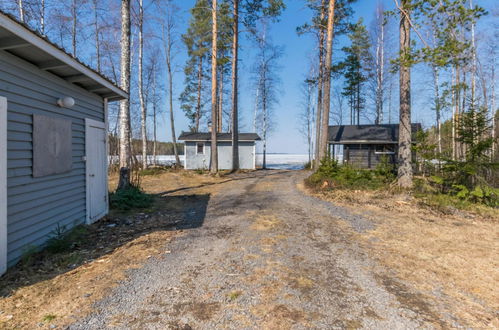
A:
365, 146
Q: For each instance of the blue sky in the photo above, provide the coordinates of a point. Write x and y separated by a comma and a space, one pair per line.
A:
297, 49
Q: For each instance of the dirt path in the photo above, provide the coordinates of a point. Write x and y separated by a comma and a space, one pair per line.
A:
261, 254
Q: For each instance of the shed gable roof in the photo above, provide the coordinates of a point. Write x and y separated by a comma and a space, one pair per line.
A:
203, 136
22, 41
386, 133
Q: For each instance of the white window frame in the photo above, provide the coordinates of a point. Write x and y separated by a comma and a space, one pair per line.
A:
3, 185
204, 148
383, 152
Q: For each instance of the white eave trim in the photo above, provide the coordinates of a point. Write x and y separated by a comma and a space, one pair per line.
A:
24, 33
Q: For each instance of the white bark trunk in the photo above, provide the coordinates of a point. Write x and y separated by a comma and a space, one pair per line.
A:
20, 6
124, 119
168, 43
42, 17
143, 110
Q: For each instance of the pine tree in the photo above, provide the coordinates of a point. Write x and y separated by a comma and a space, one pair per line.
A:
197, 40
355, 69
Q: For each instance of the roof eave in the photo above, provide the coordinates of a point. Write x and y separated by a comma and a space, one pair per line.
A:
19, 30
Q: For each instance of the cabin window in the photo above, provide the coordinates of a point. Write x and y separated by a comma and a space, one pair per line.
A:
384, 149
200, 148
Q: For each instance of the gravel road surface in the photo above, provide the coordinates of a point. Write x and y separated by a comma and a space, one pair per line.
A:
260, 254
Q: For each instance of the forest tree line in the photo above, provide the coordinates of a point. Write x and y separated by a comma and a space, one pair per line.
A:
455, 64
439, 39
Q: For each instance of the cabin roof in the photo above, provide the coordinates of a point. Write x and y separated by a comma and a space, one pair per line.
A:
206, 136
22, 41
367, 134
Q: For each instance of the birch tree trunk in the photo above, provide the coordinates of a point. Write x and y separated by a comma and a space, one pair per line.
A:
154, 129
74, 26
235, 115
143, 111
437, 107
255, 111
405, 162
380, 65
97, 39
20, 6
168, 53
319, 88
327, 81
214, 113
124, 118
493, 110
265, 116
42, 17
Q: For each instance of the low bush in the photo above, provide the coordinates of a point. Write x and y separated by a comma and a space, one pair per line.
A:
330, 174
130, 198
63, 240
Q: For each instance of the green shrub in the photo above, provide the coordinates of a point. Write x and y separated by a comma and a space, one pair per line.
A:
482, 194
349, 177
62, 240
130, 198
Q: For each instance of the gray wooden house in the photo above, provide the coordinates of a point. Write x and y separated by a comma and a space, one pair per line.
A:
53, 151
365, 146
198, 150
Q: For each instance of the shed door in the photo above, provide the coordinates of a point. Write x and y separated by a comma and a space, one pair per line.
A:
96, 154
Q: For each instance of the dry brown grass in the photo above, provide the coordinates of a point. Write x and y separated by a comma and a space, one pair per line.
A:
451, 258
60, 299
45, 293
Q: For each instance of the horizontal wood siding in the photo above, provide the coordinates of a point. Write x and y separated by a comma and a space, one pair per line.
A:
36, 206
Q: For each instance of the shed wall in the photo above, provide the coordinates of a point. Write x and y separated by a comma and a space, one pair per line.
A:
193, 160
35, 206
364, 156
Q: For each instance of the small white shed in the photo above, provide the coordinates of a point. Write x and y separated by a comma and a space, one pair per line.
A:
53, 150
197, 150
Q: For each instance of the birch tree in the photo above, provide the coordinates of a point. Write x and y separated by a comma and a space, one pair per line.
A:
143, 108
96, 24
20, 6
268, 83
168, 27
124, 118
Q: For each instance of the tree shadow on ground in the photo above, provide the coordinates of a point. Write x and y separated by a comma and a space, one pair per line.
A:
91, 242
231, 177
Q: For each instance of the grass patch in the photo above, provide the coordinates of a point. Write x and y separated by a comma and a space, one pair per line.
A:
49, 318
234, 295
446, 203
130, 198
62, 240
156, 170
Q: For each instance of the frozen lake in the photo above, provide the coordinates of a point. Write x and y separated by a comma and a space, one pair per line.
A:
274, 161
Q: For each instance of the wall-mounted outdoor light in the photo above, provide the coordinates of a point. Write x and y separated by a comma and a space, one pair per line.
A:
66, 102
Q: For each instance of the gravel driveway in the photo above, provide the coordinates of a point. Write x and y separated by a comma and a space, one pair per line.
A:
262, 255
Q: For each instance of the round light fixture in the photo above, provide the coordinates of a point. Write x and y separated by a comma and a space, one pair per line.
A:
66, 102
